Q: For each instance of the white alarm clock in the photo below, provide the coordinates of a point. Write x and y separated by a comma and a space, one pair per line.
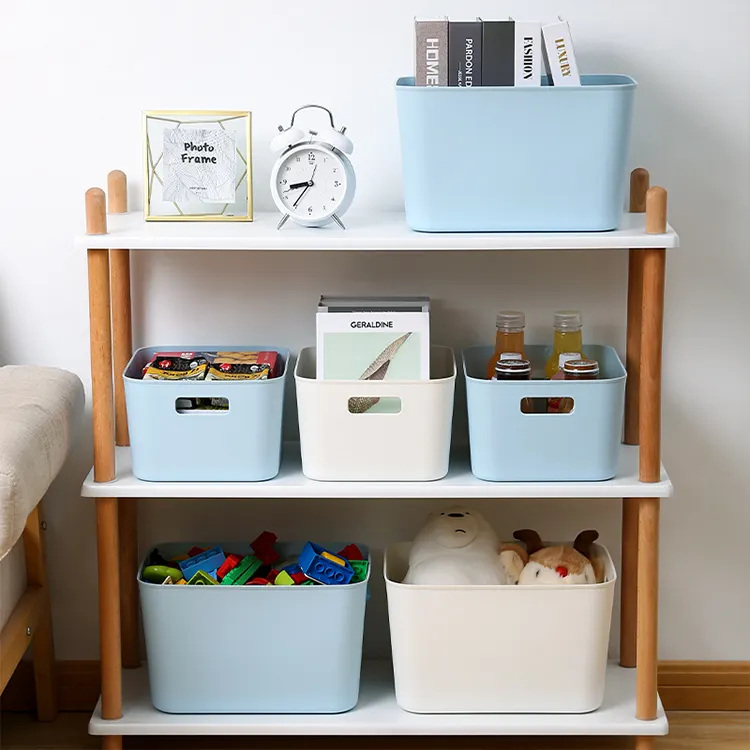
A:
312, 181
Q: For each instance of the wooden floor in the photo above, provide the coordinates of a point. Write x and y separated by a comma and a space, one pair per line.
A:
688, 731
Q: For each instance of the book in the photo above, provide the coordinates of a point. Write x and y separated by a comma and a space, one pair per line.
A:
498, 53
465, 53
528, 53
560, 55
431, 68
373, 338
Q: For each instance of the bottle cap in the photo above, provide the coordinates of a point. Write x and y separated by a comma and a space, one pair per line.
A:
514, 367
510, 355
581, 367
568, 320
510, 320
567, 357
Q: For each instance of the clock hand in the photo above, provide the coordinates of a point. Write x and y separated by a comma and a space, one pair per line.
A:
309, 184
296, 185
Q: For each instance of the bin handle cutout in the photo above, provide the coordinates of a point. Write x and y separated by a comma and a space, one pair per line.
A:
374, 405
201, 405
551, 405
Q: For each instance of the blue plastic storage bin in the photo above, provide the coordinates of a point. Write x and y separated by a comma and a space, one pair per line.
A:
507, 445
253, 649
242, 444
498, 159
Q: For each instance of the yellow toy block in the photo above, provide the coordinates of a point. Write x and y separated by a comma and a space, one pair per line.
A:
333, 559
283, 579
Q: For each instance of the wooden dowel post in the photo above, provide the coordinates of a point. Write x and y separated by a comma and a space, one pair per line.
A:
101, 342
128, 554
109, 607
639, 185
644, 743
648, 601
112, 742
45, 682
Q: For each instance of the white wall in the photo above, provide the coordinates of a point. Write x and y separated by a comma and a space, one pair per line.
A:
76, 76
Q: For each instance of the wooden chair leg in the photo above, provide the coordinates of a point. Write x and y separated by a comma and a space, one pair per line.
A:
42, 640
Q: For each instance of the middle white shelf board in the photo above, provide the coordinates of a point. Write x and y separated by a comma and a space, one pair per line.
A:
459, 483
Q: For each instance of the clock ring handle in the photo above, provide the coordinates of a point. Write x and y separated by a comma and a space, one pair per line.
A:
313, 106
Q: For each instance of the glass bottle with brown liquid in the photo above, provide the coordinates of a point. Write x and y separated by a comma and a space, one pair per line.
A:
508, 339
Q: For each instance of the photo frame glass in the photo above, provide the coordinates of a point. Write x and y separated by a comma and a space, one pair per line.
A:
197, 165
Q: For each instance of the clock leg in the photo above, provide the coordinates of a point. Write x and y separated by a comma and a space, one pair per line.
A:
282, 221
338, 221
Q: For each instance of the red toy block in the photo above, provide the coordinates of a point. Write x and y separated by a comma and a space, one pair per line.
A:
193, 551
258, 582
272, 574
299, 578
351, 552
263, 547
231, 562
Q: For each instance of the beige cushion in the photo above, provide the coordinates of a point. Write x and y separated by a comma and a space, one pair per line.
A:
39, 411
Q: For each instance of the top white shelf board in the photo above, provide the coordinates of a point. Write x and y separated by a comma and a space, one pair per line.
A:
374, 231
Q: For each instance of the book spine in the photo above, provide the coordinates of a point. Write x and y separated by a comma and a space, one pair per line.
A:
528, 57
561, 58
432, 53
498, 52
465, 53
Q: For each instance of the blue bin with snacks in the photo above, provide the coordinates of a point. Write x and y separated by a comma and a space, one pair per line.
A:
514, 438
253, 649
237, 440
515, 158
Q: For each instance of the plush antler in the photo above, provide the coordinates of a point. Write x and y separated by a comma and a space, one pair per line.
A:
530, 538
584, 541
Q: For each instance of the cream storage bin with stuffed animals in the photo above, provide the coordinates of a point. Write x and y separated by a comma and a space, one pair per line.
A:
498, 648
345, 436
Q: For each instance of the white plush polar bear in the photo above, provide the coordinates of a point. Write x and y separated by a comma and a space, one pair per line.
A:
459, 547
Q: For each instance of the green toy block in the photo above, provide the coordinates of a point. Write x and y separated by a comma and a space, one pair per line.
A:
283, 579
308, 582
243, 572
201, 578
360, 568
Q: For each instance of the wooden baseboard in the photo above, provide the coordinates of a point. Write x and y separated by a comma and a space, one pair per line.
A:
683, 686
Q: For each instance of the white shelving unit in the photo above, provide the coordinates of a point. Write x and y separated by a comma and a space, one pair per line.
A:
631, 705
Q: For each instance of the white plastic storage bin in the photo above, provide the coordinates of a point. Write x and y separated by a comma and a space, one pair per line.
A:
515, 158
410, 445
509, 445
253, 649
242, 444
498, 649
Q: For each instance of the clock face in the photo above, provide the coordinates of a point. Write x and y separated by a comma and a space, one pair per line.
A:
311, 183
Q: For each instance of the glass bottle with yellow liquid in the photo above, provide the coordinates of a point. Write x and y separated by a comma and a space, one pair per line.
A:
508, 339
568, 338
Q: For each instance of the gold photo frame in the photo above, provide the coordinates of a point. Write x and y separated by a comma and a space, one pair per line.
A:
167, 192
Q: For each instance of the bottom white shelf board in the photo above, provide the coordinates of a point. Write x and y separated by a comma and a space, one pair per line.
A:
377, 714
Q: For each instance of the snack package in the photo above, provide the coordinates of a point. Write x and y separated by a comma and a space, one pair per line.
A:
176, 366
242, 365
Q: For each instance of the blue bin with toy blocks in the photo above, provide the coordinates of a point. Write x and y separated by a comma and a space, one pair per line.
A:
239, 444
253, 649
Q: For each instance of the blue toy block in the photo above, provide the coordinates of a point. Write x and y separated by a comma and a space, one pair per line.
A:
207, 561
324, 566
293, 568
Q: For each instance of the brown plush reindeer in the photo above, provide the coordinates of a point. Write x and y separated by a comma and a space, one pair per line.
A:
561, 564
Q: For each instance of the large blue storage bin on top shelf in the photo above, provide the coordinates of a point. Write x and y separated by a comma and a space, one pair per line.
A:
508, 445
505, 158
253, 649
242, 444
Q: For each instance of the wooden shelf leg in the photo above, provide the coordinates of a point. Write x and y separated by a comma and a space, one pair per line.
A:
128, 565
645, 743
45, 679
109, 606
114, 742
639, 185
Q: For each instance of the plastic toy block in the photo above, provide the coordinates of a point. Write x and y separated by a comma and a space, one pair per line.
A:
182, 582
230, 563
272, 574
360, 568
193, 551
322, 566
258, 582
263, 547
178, 558
352, 552
309, 582
201, 578
298, 578
157, 573
243, 572
283, 579
167, 581
206, 561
